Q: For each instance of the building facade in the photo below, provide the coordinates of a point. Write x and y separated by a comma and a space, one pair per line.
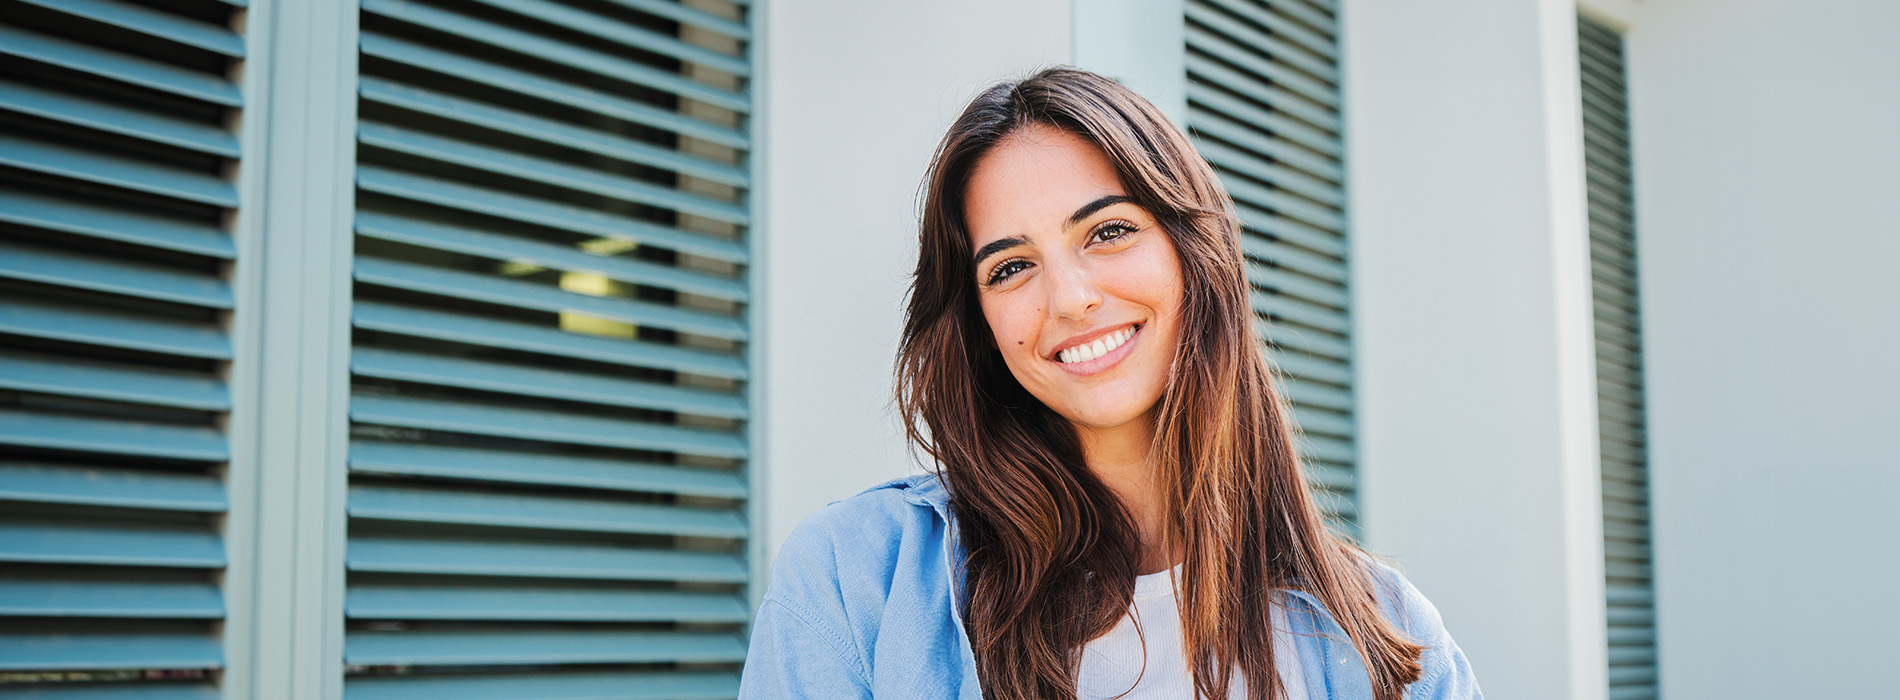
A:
488, 348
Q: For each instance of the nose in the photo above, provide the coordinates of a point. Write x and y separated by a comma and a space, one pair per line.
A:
1073, 292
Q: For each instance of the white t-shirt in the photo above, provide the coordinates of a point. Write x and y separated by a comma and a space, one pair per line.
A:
1112, 663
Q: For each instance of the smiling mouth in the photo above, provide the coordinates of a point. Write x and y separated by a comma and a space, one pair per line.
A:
1097, 348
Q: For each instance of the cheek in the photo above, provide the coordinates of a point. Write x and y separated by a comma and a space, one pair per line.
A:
1152, 280
1011, 326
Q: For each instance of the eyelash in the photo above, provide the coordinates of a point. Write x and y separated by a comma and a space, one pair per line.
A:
1004, 270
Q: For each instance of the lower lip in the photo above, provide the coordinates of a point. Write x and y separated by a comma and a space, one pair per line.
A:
1101, 364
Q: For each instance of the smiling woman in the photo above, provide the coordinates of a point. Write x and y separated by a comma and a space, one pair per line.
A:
1118, 510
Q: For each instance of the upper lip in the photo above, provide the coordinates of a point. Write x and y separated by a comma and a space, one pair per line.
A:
1086, 337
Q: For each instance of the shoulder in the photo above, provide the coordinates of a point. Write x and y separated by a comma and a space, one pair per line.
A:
1444, 672
1405, 606
857, 539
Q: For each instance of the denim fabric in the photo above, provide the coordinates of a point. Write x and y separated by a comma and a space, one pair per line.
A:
862, 604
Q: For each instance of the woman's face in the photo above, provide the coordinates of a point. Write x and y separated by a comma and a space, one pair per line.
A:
1081, 287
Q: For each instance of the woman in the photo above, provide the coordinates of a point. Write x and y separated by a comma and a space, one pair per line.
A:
1119, 509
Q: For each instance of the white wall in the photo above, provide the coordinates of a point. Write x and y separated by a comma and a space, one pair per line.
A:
1139, 43
1476, 384
1767, 161
857, 93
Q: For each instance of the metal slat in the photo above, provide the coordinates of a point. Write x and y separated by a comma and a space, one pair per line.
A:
536, 381
163, 25
428, 323
79, 324
105, 652
104, 116
108, 487
116, 171
143, 544
529, 295
112, 382
529, 84
512, 249
547, 686
107, 436
541, 512
67, 269
524, 604
549, 131
544, 425
97, 221
545, 213
554, 51
540, 560
520, 647
546, 171
143, 72
152, 600
621, 32
111, 691
483, 464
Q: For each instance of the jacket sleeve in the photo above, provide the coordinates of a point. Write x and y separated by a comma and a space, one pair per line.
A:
1444, 673
795, 656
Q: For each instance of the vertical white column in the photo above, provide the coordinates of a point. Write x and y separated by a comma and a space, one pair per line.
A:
1473, 333
857, 94
1764, 147
285, 633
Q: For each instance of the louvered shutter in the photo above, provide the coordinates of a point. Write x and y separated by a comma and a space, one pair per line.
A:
117, 149
548, 457
1629, 585
1263, 107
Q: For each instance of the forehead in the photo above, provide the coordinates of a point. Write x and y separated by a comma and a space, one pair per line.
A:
1032, 181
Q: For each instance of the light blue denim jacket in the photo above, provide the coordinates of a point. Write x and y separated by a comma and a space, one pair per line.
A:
863, 603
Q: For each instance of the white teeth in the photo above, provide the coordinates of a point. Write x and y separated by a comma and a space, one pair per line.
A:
1101, 346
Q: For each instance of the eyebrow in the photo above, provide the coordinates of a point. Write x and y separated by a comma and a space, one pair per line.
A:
1001, 244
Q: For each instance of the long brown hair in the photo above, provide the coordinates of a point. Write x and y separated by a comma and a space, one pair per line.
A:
1052, 552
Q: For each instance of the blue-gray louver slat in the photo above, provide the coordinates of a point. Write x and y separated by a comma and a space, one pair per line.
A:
497, 647
115, 254
548, 459
551, 685
1263, 107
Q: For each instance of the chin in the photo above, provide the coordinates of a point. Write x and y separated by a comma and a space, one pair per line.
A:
1101, 417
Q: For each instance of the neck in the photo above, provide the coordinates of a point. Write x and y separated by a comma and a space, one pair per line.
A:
1123, 458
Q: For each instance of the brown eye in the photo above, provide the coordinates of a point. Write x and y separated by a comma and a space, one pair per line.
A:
1113, 230
1006, 270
